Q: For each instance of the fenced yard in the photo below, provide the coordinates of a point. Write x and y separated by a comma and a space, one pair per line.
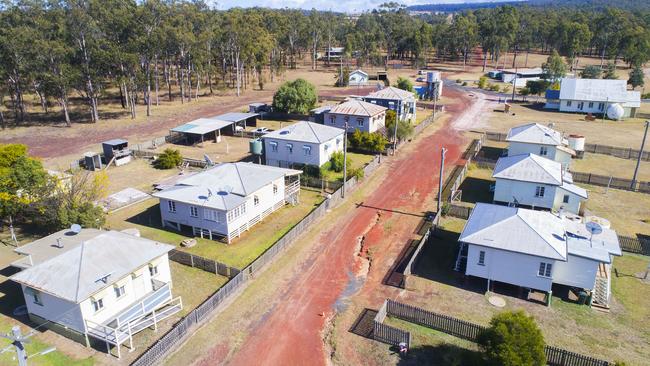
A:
145, 216
565, 324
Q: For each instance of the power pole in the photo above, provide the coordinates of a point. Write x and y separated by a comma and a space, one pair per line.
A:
443, 151
345, 159
395, 131
638, 160
514, 85
18, 342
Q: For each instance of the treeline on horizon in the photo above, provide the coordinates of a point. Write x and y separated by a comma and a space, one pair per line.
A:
632, 5
149, 52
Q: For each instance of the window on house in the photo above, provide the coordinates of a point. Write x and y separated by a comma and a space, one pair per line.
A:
290, 148
153, 270
543, 150
545, 269
119, 291
601, 106
275, 189
581, 105
346, 119
98, 304
307, 149
211, 215
333, 120
481, 258
568, 103
591, 105
539, 191
565, 199
172, 206
360, 122
256, 200
274, 146
194, 211
36, 296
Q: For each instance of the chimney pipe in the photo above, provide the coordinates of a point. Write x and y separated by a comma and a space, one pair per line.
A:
59, 243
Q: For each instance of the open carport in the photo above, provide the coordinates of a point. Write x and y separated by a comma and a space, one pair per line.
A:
242, 120
203, 129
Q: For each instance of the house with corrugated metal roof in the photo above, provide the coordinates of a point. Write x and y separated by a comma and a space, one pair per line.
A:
91, 283
358, 115
398, 100
302, 143
534, 138
596, 96
228, 199
532, 181
536, 250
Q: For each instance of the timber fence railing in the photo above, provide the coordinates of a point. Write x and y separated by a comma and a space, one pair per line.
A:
611, 182
208, 265
387, 334
634, 245
466, 330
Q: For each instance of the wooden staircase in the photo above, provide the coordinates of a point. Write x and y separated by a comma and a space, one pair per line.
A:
601, 292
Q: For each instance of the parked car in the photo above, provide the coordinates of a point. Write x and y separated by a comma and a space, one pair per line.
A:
261, 130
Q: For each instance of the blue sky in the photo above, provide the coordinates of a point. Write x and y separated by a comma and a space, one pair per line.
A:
350, 6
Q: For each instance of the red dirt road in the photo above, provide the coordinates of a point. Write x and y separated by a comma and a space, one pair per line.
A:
50, 142
291, 332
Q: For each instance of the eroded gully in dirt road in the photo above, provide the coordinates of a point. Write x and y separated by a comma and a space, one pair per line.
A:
292, 332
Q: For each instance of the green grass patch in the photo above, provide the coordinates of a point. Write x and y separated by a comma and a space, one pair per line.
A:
357, 161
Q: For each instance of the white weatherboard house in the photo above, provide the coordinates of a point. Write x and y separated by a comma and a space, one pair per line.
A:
541, 140
536, 249
401, 101
358, 77
107, 285
530, 180
597, 96
227, 199
359, 115
303, 143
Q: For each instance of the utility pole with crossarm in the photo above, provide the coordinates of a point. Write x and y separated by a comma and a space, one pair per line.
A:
18, 342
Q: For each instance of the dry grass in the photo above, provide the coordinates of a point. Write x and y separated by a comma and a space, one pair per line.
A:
624, 133
628, 212
611, 166
139, 174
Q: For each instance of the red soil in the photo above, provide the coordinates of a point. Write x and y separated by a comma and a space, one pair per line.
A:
76, 140
291, 333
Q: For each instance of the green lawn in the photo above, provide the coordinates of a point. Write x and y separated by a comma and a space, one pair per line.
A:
357, 160
242, 251
193, 285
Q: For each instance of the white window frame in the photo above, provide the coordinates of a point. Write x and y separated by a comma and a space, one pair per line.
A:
98, 304
543, 150
360, 122
194, 211
290, 148
274, 146
601, 106
540, 191
153, 270
568, 103
171, 206
120, 291
275, 189
566, 198
333, 120
211, 215
36, 297
545, 270
256, 200
591, 105
581, 105
481, 258
306, 149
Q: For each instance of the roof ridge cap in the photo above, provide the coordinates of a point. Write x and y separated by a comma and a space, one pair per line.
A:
314, 132
535, 158
81, 256
538, 234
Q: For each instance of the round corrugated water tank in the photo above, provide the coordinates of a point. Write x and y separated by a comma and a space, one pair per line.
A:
255, 146
615, 112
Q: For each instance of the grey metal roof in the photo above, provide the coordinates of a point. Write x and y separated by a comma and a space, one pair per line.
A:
538, 233
304, 131
225, 185
76, 274
236, 117
114, 142
599, 90
391, 93
358, 108
535, 133
518, 230
202, 126
569, 187
529, 168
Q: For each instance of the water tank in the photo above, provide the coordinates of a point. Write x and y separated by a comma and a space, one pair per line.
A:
615, 112
577, 142
255, 146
